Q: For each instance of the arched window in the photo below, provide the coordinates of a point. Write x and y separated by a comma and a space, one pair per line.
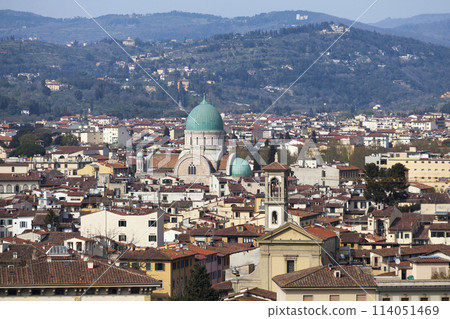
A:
274, 217
212, 140
12, 169
204, 140
25, 187
197, 140
192, 170
274, 187
17, 189
1, 189
9, 189
190, 140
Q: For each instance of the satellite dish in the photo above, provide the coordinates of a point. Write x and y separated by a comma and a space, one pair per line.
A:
49, 226
397, 261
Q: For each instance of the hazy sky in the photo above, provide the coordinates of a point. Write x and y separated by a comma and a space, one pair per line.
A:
350, 9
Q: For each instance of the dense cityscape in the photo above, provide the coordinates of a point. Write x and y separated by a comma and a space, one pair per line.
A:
200, 170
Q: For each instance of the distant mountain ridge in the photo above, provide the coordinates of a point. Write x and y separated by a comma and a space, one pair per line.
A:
152, 27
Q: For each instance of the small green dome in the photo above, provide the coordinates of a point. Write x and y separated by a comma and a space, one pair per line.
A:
240, 167
204, 117
140, 155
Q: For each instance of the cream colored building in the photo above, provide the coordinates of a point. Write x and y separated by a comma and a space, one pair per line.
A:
145, 229
423, 167
285, 249
324, 283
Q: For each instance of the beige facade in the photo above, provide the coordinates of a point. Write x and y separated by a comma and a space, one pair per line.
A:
327, 294
142, 230
285, 247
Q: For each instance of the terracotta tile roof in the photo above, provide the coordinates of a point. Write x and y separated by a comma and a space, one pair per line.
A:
224, 285
404, 223
245, 230
321, 277
230, 248
440, 226
254, 294
429, 260
71, 272
223, 162
415, 250
20, 252
275, 166
163, 161
321, 232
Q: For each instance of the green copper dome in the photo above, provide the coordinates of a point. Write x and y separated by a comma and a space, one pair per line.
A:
204, 117
240, 167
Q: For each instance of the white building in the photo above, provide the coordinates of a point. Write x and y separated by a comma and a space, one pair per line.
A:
115, 135
143, 229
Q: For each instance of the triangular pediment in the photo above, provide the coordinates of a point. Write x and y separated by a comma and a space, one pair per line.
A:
289, 232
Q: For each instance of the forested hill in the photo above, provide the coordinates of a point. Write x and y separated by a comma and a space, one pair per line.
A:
238, 72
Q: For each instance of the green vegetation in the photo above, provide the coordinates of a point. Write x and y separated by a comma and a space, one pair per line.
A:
385, 186
239, 73
198, 287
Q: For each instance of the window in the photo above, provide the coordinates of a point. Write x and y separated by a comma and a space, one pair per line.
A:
123, 264
192, 170
404, 299
172, 220
290, 266
23, 224
386, 299
152, 238
148, 266
360, 297
445, 299
122, 223
152, 223
406, 236
423, 298
159, 266
274, 217
135, 265
174, 265
308, 298
122, 238
1, 189
334, 297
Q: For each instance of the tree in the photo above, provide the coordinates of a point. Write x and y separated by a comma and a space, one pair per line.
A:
271, 155
51, 219
198, 287
166, 131
78, 95
66, 140
28, 149
385, 186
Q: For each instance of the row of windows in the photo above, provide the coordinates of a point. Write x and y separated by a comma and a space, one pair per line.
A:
151, 238
16, 188
181, 264
439, 234
421, 299
334, 298
23, 224
151, 223
204, 141
148, 265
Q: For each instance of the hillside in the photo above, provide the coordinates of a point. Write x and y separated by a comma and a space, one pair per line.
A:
433, 28
150, 27
238, 72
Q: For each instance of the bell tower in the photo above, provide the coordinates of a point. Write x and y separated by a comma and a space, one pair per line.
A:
276, 200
